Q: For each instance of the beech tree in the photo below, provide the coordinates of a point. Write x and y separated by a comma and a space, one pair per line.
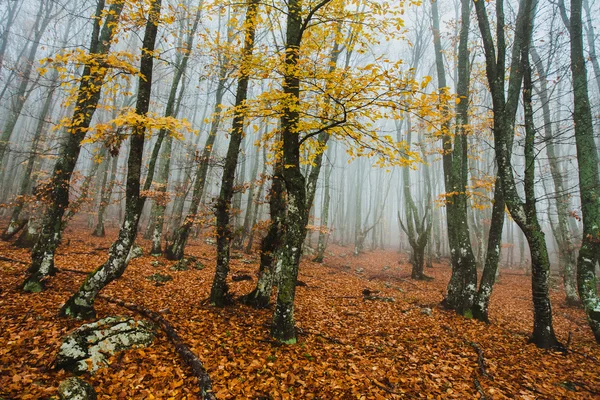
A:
81, 304
505, 107
589, 176
88, 95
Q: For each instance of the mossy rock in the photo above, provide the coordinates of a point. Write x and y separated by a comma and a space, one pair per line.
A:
160, 278
76, 389
88, 347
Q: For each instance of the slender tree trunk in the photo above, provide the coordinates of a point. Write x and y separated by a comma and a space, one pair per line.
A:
106, 195
81, 304
323, 233
463, 282
27, 183
42, 20
564, 236
490, 268
88, 96
505, 107
589, 176
175, 250
219, 294
260, 297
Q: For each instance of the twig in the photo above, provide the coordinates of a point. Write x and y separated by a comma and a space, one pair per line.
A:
74, 271
479, 388
480, 359
382, 386
12, 260
329, 338
182, 349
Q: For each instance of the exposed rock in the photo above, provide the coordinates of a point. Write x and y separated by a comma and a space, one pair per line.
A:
181, 265
386, 267
88, 347
426, 311
360, 270
76, 389
160, 278
186, 262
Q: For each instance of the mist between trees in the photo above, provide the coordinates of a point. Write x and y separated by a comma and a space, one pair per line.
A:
451, 130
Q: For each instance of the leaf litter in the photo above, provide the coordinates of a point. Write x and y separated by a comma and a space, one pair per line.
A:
348, 347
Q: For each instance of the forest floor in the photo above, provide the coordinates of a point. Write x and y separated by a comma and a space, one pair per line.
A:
348, 348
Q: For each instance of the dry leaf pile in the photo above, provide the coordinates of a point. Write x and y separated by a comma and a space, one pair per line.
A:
349, 347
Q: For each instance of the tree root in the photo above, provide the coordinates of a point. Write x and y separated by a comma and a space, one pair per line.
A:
182, 349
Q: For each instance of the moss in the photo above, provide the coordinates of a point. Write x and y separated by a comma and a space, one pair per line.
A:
33, 287
289, 341
468, 314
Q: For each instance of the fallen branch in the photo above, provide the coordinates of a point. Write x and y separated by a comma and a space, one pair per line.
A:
382, 386
479, 388
12, 260
480, 357
329, 338
74, 271
182, 349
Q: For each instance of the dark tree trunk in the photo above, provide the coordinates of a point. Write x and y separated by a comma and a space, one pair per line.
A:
463, 282
42, 255
219, 294
81, 304
260, 297
505, 107
490, 268
589, 177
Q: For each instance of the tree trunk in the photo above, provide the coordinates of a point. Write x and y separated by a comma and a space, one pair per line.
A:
463, 281
260, 297
494, 245
27, 183
81, 304
175, 250
589, 179
42, 20
505, 107
42, 264
563, 235
105, 196
219, 294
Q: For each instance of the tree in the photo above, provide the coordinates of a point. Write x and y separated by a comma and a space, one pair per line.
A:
42, 20
505, 107
88, 95
81, 304
219, 294
589, 176
171, 110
